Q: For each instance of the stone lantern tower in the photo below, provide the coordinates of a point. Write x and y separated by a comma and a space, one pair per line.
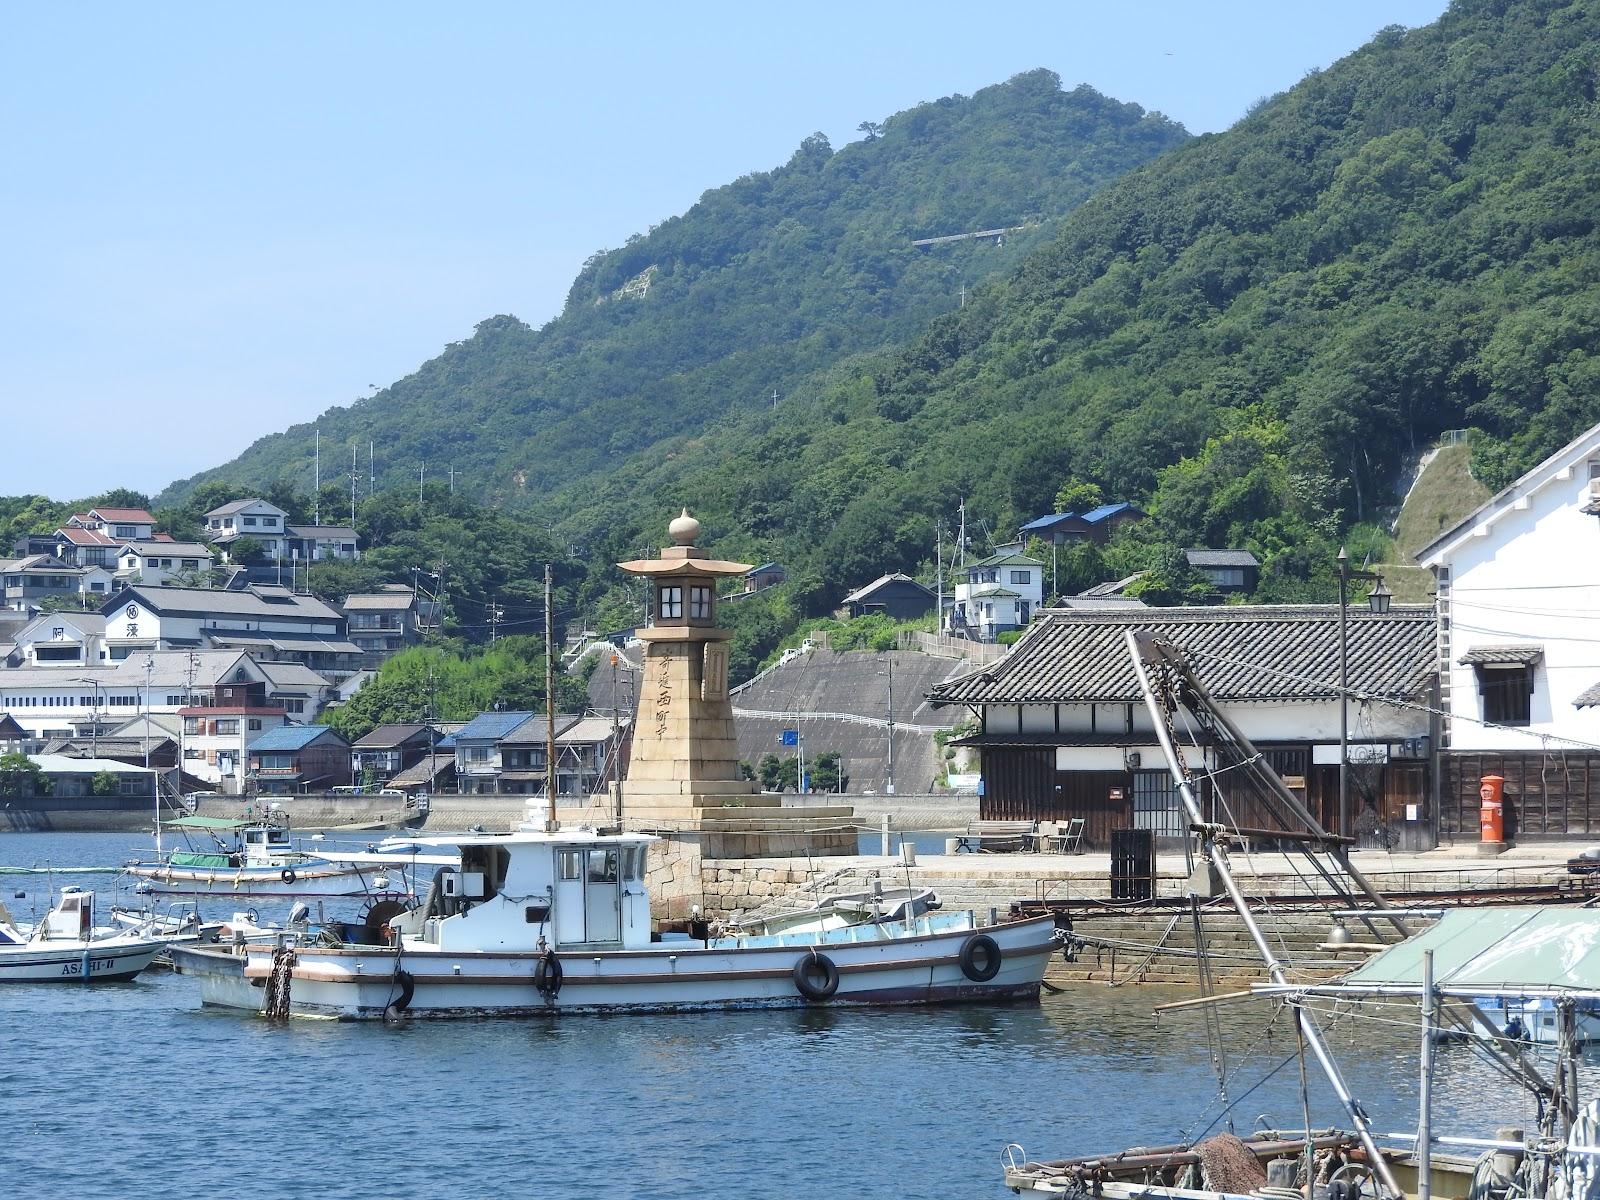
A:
683, 773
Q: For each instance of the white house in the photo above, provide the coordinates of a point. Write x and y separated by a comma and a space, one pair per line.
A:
999, 593
254, 518
116, 524
315, 543
1518, 654
60, 639
156, 562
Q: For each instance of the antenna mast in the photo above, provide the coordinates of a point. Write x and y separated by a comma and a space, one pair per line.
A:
316, 477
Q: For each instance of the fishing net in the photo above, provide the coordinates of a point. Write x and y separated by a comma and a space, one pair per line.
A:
1227, 1165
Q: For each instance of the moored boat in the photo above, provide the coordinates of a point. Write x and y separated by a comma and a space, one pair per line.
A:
67, 947
537, 922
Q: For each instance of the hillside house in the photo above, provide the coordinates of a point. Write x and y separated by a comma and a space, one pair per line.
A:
299, 758
59, 639
318, 543
1063, 730
116, 524
252, 518
383, 623
155, 563
1098, 524
218, 731
389, 749
1228, 571
1518, 585
759, 579
480, 767
999, 593
894, 595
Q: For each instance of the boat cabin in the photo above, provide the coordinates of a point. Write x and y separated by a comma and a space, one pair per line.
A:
569, 890
73, 915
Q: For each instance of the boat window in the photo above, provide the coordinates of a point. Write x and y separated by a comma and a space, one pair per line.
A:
603, 866
571, 864
636, 862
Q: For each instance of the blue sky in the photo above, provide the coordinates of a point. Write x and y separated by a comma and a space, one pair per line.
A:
221, 219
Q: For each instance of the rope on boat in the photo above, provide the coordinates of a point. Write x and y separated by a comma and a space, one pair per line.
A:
276, 1007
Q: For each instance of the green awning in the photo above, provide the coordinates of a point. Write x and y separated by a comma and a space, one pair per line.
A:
205, 823
1489, 951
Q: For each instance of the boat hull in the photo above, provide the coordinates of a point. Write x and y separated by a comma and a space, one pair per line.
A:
78, 962
258, 881
366, 982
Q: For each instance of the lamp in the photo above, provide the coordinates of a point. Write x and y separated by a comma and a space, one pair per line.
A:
1380, 597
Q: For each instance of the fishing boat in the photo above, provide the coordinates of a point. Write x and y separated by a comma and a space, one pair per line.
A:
539, 921
67, 947
258, 858
1515, 955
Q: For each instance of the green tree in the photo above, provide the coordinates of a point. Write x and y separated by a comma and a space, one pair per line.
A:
21, 776
104, 783
827, 773
1078, 496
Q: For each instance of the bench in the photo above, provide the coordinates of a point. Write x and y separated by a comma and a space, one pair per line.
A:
995, 836
1061, 837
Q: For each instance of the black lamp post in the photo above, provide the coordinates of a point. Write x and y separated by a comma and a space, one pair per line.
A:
1378, 601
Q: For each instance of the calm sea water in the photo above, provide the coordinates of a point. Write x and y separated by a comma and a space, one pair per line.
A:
132, 1090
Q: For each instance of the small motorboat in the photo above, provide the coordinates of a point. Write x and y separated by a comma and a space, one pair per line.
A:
258, 858
67, 947
875, 905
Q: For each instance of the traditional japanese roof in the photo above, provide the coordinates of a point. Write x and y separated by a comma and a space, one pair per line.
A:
532, 732
1524, 655
383, 601
1221, 558
1241, 652
84, 537
10, 731
1113, 587
286, 643
424, 772
1009, 559
234, 506
386, 737
61, 764
293, 737
994, 592
254, 601
491, 726
325, 533
863, 592
289, 676
129, 516
167, 548
1588, 698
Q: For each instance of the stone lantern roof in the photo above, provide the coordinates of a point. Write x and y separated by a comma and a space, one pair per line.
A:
683, 558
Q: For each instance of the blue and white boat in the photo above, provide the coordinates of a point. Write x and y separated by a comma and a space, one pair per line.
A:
66, 947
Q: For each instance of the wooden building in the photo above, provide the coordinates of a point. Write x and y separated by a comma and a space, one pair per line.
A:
1063, 730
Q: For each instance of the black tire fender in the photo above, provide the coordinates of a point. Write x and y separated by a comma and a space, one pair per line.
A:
547, 974
816, 977
408, 988
288, 875
980, 958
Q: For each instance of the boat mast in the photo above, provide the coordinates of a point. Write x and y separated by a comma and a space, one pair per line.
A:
549, 710
1216, 853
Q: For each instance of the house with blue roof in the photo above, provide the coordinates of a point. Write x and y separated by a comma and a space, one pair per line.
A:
1096, 525
299, 758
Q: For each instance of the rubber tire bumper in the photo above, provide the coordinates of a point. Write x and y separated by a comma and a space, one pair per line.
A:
547, 974
806, 982
288, 875
980, 958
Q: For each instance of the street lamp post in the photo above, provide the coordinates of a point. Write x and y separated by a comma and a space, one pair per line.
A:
1378, 601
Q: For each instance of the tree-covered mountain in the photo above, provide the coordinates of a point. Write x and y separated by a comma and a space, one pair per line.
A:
1249, 334
759, 285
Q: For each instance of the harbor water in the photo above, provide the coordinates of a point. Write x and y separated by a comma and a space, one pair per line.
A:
134, 1090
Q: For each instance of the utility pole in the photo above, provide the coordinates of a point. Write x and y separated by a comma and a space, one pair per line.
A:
496, 613
938, 575
371, 474
616, 740
316, 478
452, 479
551, 825
889, 786
421, 469
354, 478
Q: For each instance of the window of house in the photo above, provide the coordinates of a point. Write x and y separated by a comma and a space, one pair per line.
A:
230, 726
191, 725
255, 723
293, 706
700, 603
671, 602
127, 531
1507, 693
249, 520
1022, 577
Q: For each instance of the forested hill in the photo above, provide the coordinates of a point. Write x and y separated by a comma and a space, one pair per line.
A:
1249, 334
760, 284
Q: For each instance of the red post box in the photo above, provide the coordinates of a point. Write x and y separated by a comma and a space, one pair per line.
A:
1491, 811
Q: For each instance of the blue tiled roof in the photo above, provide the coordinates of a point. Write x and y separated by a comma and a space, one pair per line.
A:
1096, 515
492, 725
1048, 522
291, 737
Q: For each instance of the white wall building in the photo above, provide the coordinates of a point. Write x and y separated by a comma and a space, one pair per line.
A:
254, 518
999, 593
154, 563
1519, 645
60, 639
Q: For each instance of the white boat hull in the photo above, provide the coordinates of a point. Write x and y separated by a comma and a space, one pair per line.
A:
368, 982
103, 961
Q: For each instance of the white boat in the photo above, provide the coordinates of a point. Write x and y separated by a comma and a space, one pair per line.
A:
537, 922
261, 860
67, 948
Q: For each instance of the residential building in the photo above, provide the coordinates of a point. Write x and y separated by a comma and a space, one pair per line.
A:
218, 732
71, 776
1518, 583
59, 639
1099, 524
433, 775
299, 758
253, 518
759, 579
314, 543
1000, 593
25, 583
382, 623
389, 749
1064, 731
1229, 571
893, 595
117, 524
155, 563
583, 755
270, 622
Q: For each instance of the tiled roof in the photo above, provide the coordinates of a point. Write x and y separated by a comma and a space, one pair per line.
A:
1006, 560
491, 725
322, 532
168, 548
83, 537
385, 601
862, 593
533, 731
292, 737
271, 602
1221, 558
1241, 652
234, 506
1502, 656
131, 516
1588, 698
994, 592
1114, 587
386, 736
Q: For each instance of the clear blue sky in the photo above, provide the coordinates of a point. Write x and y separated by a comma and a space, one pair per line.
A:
221, 219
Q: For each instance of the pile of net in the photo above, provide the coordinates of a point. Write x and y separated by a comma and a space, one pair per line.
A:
1227, 1165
